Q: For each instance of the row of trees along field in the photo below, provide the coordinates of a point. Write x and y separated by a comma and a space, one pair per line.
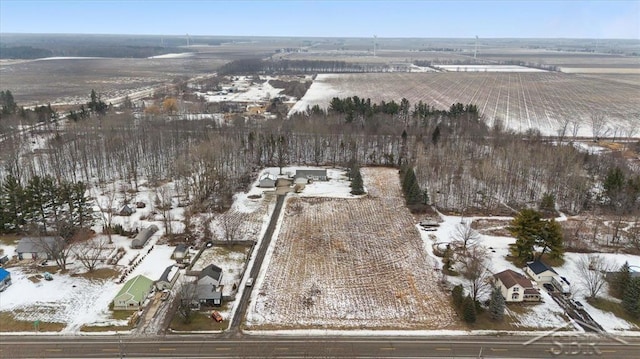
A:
43, 205
459, 162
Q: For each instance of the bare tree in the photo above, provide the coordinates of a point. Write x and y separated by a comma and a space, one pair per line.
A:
91, 252
593, 270
575, 128
163, 204
465, 237
56, 248
562, 129
598, 122
106, 209
230, 230
475, 271
188, 298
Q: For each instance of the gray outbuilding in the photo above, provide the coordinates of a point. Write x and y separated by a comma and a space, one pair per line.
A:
144, 235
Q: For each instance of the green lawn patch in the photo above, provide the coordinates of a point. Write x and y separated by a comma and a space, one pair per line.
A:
10, 324
201, 321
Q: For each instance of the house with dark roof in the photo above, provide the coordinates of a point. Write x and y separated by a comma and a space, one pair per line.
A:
168, 278
540, 272
515, 287
133, 294
39, 247
5, 279
210, 275
204, 294
144, 235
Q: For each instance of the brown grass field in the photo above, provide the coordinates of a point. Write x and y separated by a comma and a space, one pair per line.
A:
352, 263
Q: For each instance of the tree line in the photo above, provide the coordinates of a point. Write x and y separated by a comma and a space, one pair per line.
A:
459, 162
43, 205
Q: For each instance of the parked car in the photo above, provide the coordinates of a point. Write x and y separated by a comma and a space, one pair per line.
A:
216, 316
578, 305
165, 295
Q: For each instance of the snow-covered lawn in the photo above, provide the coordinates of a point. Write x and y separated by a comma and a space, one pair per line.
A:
547, 314
74, 300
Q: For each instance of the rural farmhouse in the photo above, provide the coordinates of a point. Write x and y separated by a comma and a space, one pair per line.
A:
304, 176
515, 287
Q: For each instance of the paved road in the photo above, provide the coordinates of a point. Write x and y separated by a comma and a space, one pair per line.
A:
243, 303
200, 346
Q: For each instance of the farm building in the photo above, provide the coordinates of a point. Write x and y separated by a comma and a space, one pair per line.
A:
144, 235
39, 247
5, 279
268, 181
180, 252
540, 272
515, 287
133, 294
126, 210
313, 175
168, 278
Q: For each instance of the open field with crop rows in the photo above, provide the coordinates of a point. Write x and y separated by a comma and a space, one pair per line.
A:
520, 100
352, 263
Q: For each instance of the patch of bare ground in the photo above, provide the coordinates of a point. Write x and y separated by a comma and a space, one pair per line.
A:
352, 263
492, 227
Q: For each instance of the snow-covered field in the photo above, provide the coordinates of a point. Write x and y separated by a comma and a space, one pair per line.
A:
242, 89
521, 100
487, 68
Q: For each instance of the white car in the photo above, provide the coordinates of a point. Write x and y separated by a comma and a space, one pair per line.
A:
249, 282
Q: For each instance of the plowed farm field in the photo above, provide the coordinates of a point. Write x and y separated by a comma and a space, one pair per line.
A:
341, 263
541, 100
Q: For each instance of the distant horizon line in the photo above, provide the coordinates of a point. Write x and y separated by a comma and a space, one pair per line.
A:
473, 37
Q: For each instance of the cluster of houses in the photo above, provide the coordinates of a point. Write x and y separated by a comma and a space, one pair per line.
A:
204, 289
517, 287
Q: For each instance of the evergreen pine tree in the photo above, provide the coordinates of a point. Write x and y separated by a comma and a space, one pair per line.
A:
469, 310
550, 239
496, 305
631, 298
357, 186
526, 227
408, 180
13, 204
457, 294
414, 195
620, 281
